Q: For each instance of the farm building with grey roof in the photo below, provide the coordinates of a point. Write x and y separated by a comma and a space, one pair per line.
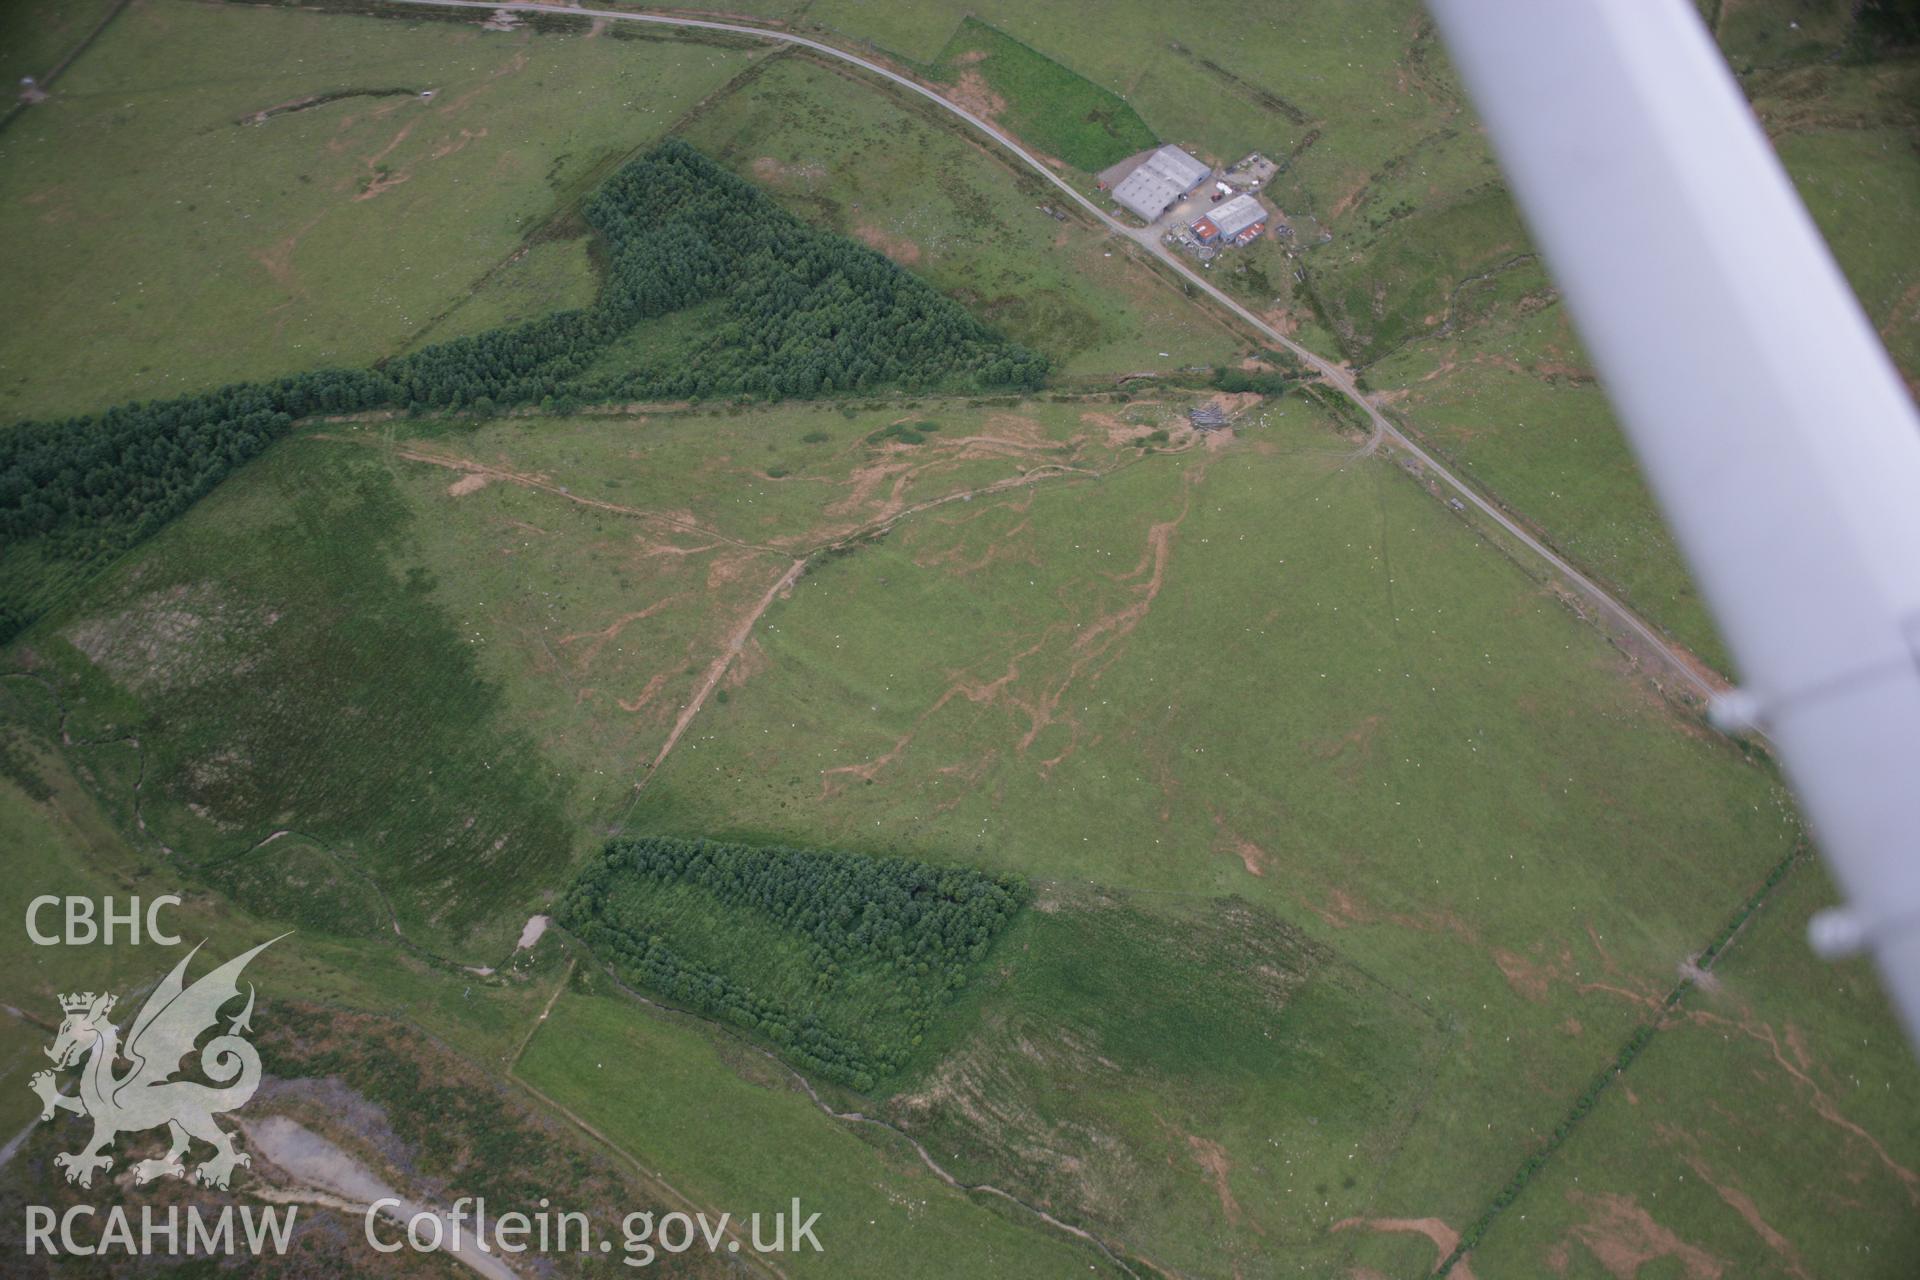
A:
1162, 178
1238, 220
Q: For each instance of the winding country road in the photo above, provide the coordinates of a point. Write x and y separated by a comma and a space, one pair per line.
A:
1648, 641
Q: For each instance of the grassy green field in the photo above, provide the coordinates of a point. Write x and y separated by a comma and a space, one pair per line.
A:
1846, 135
1426, 276
433, 1058
59, 843
1761, 1134
1121, 1051
159, 245
1041, 101
65, 818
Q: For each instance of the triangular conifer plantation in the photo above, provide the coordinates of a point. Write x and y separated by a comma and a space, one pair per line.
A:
774, 308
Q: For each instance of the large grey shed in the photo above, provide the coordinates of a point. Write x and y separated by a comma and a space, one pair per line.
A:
1226, 222
1162, 178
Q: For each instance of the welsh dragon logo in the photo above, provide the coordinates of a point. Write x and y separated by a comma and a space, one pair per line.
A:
145, 1095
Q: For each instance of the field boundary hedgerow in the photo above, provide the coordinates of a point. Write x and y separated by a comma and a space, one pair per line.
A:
54, 73
1635, 1044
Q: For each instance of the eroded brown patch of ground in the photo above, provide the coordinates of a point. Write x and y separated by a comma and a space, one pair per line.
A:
1227, 840
727, 569
1233, 403
773, 172
736, 641
1623, 1237
1349, 198
898, 247
1791, 1055
1736, 1199
1117, 431
1278, 318
752, 660
1343, 909
595, 641
1090, 647
683, 521
1532, 975
277, 258
878, 490
975, 691
1352, 749
646, 695
972, 93
1904, 311
55, 203
1098, 643
969, 774
380, 177
444, 149
1445, 1238
984, 1089
1010, 547
1528, 979
865, 481
1213, 1158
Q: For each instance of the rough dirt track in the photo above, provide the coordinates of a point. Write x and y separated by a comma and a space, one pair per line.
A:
1645, 639
718, 668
